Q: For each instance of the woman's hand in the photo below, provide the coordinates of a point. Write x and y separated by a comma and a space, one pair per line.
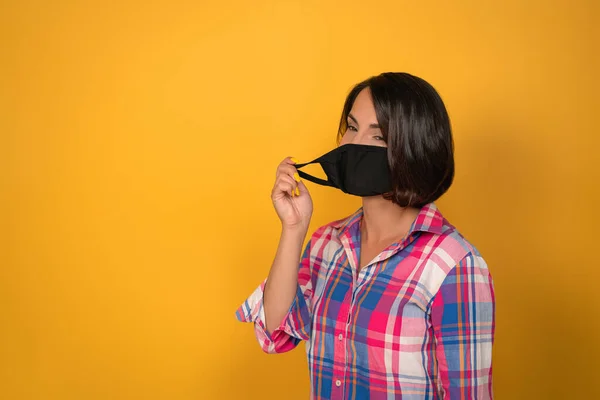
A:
290, 196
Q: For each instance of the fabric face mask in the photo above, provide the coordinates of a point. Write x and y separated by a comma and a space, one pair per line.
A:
356, 169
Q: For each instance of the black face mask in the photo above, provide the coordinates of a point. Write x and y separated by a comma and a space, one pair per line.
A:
355, 169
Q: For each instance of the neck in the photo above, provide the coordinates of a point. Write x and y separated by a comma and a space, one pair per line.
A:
384, 220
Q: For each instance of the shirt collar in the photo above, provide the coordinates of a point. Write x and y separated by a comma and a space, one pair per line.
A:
429, 219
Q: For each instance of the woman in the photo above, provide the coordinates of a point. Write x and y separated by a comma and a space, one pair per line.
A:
392, 301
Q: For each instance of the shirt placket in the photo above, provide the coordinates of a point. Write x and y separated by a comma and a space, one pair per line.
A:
341, 347
341, 353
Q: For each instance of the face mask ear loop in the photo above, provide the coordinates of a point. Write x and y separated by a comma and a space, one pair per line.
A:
314, 179
311, 178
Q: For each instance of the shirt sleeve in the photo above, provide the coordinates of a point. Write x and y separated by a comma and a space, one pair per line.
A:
295, 326
463, 318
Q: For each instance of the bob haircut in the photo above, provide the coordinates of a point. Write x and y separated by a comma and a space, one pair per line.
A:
416, 127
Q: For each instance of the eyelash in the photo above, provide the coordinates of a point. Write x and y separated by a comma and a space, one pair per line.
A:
353, 129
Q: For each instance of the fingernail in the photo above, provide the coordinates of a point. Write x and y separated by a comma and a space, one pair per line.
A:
296, 177
297, 191
294, 160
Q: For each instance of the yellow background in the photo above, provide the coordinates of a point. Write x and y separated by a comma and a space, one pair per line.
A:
138, 147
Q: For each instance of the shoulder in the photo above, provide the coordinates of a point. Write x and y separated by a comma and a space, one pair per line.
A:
467, 279
441, 241
446, 253
461, 257
452, 247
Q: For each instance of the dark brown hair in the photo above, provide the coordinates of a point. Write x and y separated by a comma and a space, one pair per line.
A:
416, 128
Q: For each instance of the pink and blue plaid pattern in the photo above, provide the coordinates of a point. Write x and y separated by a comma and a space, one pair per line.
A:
416, 323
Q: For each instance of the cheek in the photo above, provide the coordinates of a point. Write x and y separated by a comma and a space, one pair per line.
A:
345, 139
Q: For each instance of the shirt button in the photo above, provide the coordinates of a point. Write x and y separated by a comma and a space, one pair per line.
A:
338, 383
340, 336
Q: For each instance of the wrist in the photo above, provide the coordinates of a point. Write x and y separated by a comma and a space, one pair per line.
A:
298, 230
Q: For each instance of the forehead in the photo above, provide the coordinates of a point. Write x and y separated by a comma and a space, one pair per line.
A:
363, 105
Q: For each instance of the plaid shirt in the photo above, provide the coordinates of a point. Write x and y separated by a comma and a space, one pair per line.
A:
416, 323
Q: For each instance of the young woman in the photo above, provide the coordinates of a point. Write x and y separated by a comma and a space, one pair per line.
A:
392, 301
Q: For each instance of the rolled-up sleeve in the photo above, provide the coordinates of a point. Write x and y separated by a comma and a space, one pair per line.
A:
463, 316
295, 326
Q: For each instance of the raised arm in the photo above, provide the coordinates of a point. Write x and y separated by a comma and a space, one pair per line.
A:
280, 307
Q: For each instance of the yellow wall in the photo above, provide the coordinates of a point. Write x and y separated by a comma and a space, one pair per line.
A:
138, 148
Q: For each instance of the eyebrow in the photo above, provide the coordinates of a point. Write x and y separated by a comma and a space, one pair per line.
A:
374, 126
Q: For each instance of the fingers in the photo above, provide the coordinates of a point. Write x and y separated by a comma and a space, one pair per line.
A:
288, 170
291, 183
285, 185
296, 182
302, 187
287, 179
287, 167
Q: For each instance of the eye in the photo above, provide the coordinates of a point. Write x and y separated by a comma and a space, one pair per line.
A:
378, 138
352, 128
